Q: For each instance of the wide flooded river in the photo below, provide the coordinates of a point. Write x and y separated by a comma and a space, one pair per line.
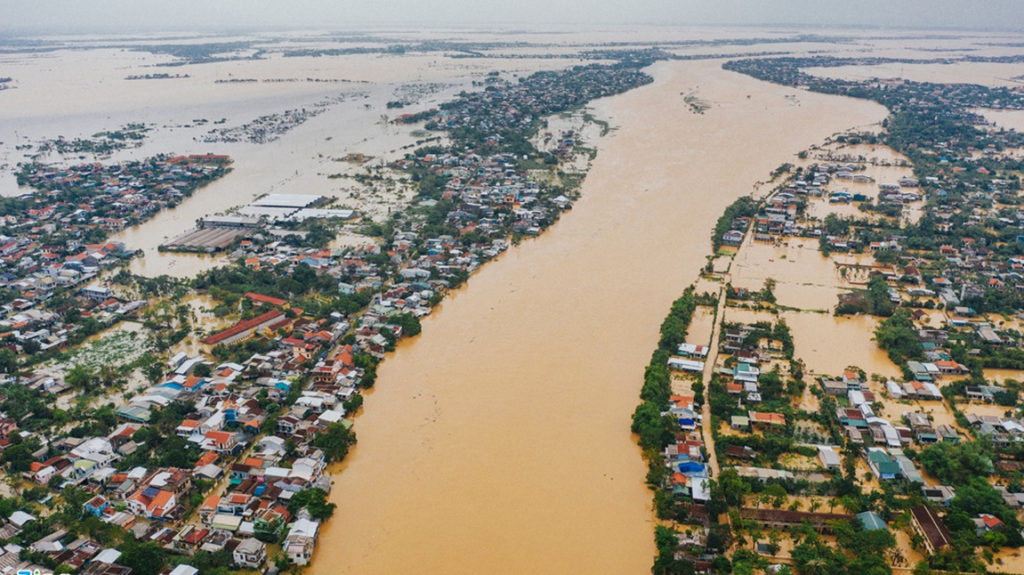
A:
497, 441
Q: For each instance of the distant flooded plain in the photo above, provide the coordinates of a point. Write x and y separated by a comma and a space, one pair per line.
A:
354, 91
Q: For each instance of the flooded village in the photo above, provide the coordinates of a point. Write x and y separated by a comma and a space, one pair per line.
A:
781, 455
839, 385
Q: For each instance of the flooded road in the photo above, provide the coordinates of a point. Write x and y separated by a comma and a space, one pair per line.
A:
497, 441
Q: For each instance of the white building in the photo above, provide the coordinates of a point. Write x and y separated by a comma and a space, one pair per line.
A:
301, 539
250, 553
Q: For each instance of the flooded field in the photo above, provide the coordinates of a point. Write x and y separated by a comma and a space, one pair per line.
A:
352, 92
501, 429
984, 73
990, 409
1006, 119
805, 279
701, 325
830, 344
1000, 375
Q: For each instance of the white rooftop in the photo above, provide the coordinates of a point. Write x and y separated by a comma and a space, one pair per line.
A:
312, 213
107, 556
271, 212
287, 200
20, 518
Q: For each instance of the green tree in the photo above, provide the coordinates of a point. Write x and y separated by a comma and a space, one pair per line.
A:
898, 337
729, 488
314, 501
335, 442
19, 456
79, 377
956, 464
146, 558
655, 430
776, 494
878, 294
666, 563
409, 323
8, 361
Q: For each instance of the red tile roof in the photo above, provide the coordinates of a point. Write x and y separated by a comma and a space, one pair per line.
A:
241, 327
265, 299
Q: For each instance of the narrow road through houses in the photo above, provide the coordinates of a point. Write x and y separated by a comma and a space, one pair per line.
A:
709, 370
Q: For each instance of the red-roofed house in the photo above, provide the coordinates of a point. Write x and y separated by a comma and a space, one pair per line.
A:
209, 507
260, 298
152, 503
206, 459
244, 329
761, 419
220, 441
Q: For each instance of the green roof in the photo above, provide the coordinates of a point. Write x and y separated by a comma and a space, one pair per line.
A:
887, 467
879, 456
871, 521
134, 413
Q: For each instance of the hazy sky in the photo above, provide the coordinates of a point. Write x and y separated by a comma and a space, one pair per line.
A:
177, 15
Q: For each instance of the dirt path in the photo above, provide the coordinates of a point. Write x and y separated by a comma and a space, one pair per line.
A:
709, 370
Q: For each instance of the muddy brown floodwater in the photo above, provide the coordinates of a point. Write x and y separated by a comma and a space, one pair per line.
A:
497, 441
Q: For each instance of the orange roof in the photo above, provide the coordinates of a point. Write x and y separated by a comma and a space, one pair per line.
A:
237, 498
219, 437
206, 459
161, 499
211, 502
253, 462
766, 417
681, 400
242, 326
990, 520
189, 424
128, 431
265, 299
